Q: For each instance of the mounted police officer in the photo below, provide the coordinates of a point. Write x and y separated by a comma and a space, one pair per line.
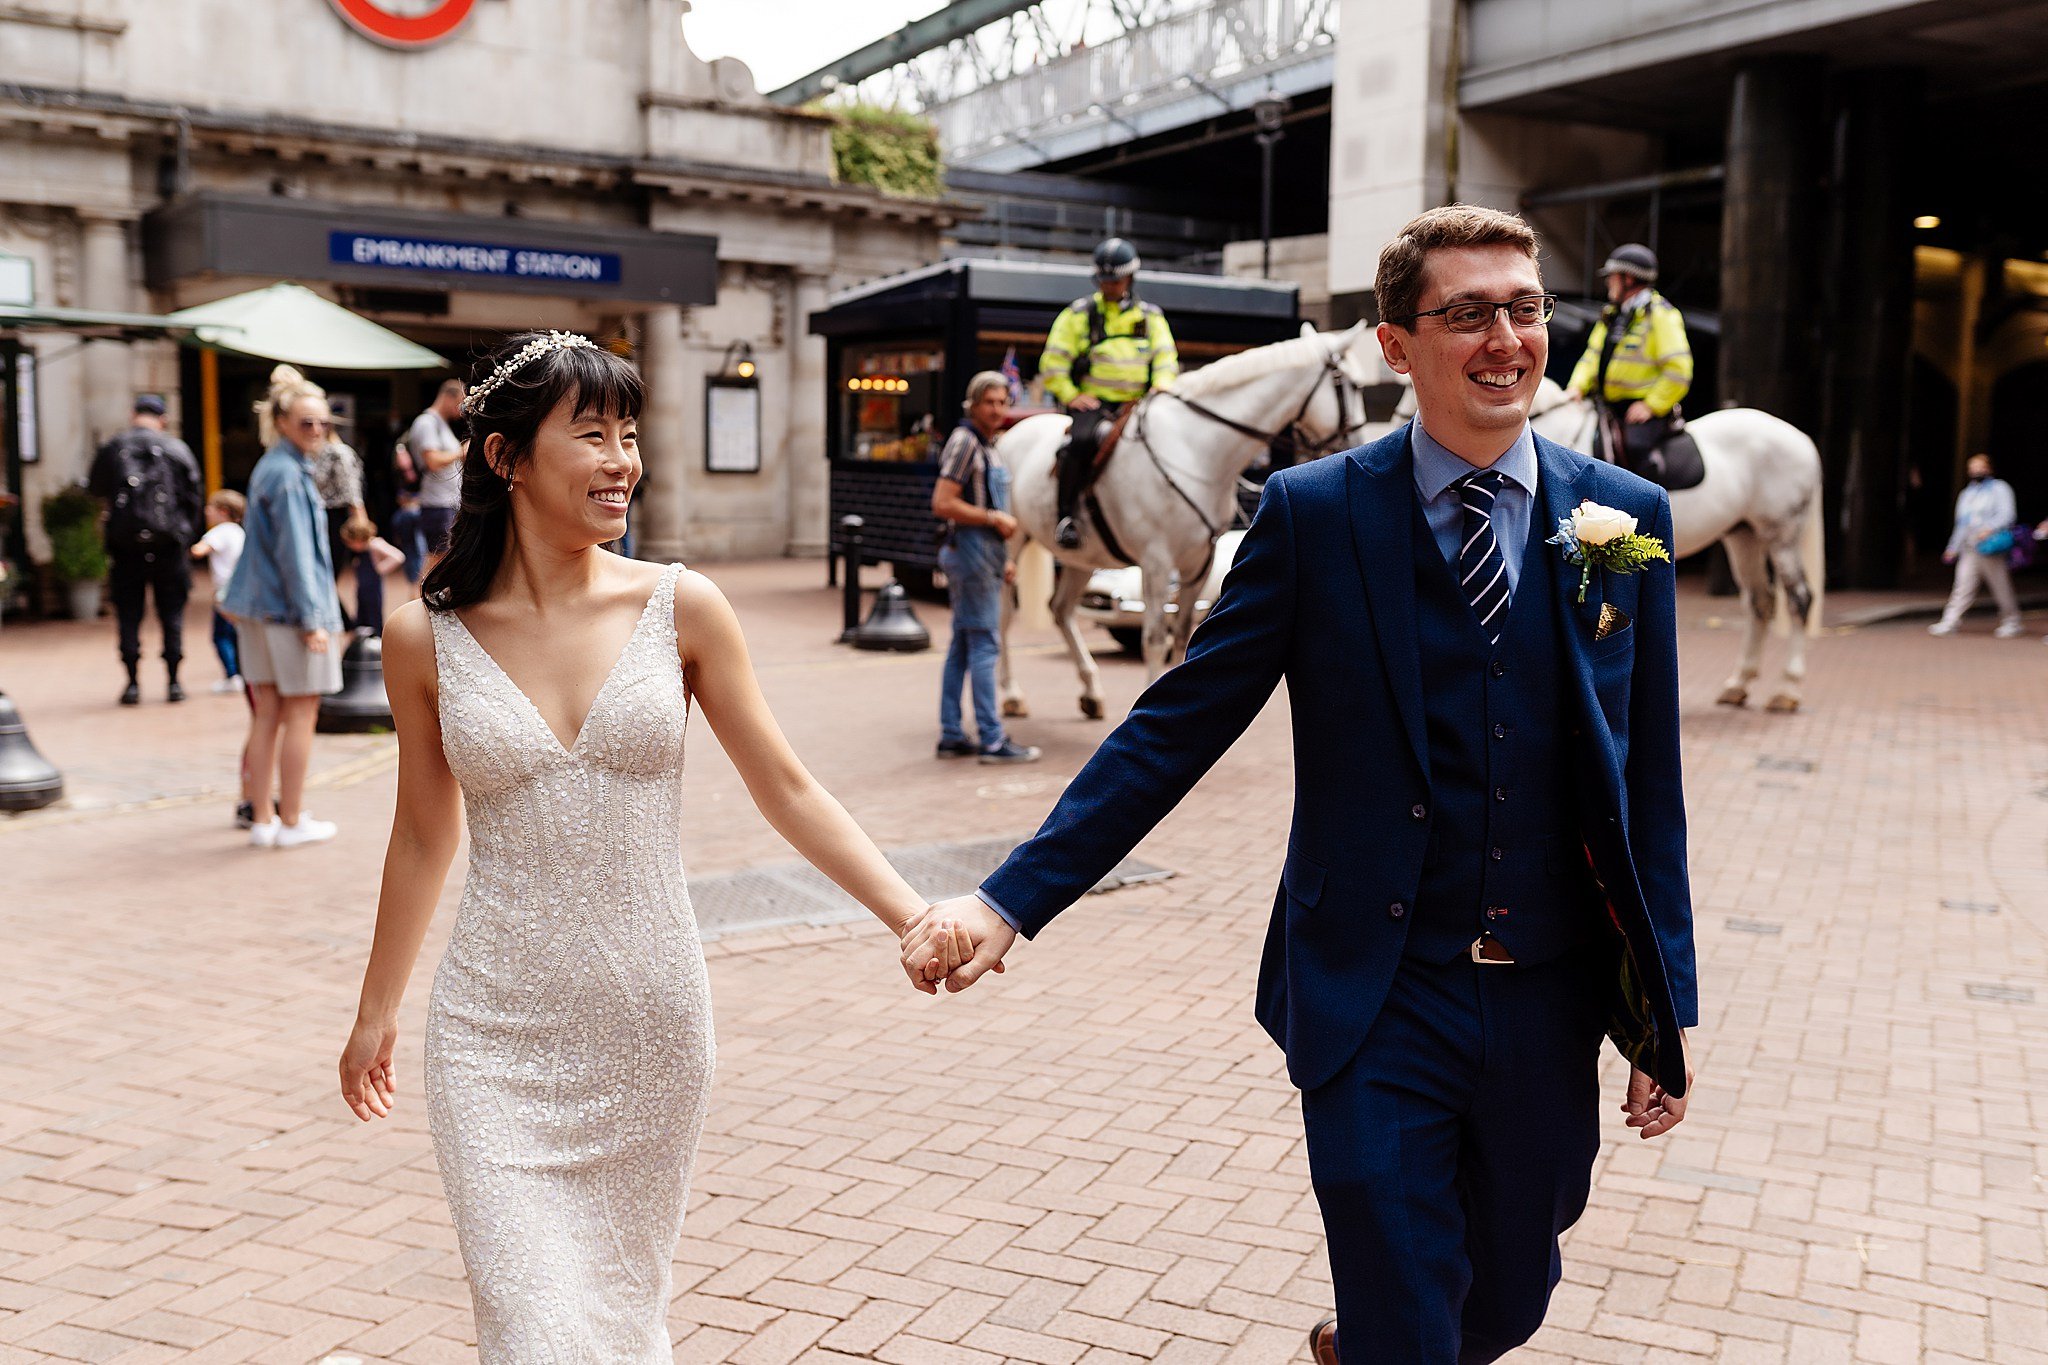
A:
1638, 363
1104, 353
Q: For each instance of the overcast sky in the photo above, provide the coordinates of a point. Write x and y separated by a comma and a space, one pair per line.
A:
784, 39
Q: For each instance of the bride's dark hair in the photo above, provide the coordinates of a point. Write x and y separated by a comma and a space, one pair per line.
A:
515, 407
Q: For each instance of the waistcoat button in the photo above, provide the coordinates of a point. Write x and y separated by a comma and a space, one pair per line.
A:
1418, 811
1500, 670
1396, 910
1500, 732
1499, 853
1500, 793
1495, 911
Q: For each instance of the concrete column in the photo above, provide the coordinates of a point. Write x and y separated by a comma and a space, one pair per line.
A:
1770, 226
809, 472
664, 436
1870, 326
1392, 149
106, 365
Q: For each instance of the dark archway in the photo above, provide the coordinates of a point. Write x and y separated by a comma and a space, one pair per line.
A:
2019, 423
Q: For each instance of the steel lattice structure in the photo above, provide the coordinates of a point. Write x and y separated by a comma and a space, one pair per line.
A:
1060, 77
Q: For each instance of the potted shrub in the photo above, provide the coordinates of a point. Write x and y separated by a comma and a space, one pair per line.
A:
78, 549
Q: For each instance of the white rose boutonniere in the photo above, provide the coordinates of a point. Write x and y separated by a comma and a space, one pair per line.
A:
1605, 536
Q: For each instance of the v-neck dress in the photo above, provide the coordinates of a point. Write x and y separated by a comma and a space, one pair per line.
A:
569, 1044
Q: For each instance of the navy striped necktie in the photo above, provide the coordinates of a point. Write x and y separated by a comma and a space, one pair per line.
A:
1482, 571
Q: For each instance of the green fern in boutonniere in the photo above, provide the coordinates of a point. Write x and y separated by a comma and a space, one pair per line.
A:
1605, 537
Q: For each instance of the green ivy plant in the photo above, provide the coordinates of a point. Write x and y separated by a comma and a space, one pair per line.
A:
78, 550
894, 151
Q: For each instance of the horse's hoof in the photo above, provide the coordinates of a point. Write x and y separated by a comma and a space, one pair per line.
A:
1091, 707
1733, 696
1014, 706
1784, 704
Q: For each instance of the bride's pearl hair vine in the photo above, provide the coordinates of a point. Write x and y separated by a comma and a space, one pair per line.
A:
545, 344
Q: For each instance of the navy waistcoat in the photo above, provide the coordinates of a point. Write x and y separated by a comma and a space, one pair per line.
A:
1505, 854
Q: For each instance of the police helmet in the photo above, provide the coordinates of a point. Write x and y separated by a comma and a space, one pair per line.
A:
1116, 259
1634, 259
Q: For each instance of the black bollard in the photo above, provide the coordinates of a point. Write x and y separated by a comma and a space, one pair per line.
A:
849, 547
361, 704
892, 624
28, 781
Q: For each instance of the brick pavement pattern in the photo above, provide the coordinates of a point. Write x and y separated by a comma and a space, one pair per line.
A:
1094, 1159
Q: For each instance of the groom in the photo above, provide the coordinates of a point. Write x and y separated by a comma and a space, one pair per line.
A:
1487, 866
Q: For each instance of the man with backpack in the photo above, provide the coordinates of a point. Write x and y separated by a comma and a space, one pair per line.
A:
1104, 352
151, 486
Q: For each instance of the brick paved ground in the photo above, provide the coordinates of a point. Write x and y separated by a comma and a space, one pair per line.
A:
1095, 1159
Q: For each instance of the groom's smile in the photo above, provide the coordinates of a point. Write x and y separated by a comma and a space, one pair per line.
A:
1472, 389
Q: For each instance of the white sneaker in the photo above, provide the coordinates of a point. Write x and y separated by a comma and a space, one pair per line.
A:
264, 835
226, 685
307, 831
1941, 628
2009, 630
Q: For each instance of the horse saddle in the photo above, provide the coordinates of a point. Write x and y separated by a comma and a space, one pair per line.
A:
1672, 463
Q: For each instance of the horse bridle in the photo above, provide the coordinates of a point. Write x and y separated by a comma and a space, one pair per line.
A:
1288, 440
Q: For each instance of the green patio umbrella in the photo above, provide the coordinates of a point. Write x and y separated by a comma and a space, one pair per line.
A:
290, 322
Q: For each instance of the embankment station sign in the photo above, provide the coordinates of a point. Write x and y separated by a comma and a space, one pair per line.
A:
471, 258
405, 23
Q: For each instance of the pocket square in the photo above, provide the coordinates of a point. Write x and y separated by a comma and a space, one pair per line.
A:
1612, 621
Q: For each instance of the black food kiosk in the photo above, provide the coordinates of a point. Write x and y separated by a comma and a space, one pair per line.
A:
900, 351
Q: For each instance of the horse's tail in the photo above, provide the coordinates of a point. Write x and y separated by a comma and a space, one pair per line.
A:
1813, 556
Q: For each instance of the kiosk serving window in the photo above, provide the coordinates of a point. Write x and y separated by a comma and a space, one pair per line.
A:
889, 401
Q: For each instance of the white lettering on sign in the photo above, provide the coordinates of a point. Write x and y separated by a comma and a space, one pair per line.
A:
557, 265
395, 251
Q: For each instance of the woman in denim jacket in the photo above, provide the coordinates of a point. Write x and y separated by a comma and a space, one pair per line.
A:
285, 610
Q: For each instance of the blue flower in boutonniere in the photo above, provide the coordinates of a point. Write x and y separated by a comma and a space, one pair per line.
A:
1605, 536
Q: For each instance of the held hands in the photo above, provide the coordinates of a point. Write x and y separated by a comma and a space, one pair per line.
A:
1649, 1108
957, 941
368, 1084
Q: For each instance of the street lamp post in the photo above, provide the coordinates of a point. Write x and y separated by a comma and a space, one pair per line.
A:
1268, 111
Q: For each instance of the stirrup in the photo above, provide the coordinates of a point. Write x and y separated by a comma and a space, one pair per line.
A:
1068, 533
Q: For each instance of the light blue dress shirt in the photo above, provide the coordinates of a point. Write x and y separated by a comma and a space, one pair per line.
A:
1436, 469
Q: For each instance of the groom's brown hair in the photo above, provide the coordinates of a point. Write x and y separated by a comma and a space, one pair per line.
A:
1397, 288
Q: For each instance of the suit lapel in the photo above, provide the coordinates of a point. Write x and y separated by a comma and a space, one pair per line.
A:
1381, 484
1558, 472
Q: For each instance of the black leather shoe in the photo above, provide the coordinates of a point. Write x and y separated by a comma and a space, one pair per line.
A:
1322, 1342
131, 695
1068, 534
175, 692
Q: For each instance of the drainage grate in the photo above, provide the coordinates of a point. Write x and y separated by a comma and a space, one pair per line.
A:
1770, 763
2012, 995
1755, 926
796, 893
1971, 907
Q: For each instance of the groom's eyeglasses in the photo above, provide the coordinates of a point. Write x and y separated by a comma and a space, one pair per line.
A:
1476, 315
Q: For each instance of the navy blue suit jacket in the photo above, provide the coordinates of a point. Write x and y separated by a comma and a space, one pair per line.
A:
1322, 595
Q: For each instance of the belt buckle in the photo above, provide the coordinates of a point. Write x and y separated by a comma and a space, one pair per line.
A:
1478, 944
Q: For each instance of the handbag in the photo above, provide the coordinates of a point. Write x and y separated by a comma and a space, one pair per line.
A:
1999, 542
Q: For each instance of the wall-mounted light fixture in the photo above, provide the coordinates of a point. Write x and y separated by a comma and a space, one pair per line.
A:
741, 367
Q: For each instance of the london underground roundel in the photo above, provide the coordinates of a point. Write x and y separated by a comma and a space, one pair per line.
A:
405, 23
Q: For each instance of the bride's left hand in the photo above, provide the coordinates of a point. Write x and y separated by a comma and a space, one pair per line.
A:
368, 1084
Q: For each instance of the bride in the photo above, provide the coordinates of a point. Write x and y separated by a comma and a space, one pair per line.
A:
544, 682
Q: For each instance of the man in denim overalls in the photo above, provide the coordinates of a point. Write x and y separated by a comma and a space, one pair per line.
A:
973, 498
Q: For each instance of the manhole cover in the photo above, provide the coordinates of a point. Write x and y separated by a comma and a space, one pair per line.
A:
792, 893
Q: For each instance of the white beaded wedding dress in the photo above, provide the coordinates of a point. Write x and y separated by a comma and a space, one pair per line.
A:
569, 1043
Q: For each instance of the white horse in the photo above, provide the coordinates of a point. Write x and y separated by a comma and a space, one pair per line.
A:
1761, 497
1171, 487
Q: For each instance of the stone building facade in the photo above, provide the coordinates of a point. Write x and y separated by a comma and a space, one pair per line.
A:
156, 154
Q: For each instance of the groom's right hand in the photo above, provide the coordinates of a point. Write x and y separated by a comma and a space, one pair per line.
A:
960, 939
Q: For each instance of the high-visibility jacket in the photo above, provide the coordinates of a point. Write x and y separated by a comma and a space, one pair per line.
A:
1120, 350
1652, 359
